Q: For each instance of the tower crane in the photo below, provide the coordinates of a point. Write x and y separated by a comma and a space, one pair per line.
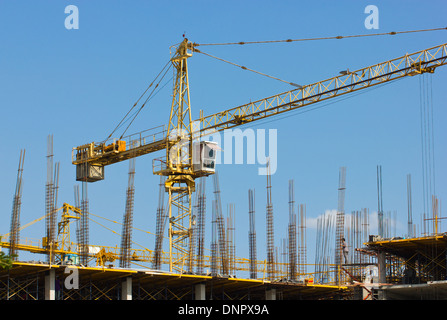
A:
187, 159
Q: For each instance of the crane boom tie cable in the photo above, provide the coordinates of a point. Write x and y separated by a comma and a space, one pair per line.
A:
319, 38
248, 69
135, 104
147, 99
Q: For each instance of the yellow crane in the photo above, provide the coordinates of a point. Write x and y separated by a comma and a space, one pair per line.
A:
187, 159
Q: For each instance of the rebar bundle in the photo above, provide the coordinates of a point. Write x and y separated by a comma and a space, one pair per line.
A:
77, 203
200, 227
14, 234
161, 220
357, 234
51, 189
231, 244
302, 244
126, 236
252, 234
83, 231
324, 250
410, 208
292, 231
49, 194
379, 201
270, 229
214, 241
340, 220
220, 224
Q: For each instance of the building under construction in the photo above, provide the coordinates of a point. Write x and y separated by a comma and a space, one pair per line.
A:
377, 266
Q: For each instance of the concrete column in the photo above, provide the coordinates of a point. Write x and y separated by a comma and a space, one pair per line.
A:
126, 289
381, 262
270, 294
199, 291
50, 285
381, 266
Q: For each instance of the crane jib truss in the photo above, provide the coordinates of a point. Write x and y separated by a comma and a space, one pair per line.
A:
349, 81
177, 165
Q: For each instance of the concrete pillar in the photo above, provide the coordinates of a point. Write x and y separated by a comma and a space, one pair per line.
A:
50, 285
270, 294
381, 266
126, 289
199, 291
381, 262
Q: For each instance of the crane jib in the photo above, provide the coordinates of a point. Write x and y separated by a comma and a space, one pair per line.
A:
92, 157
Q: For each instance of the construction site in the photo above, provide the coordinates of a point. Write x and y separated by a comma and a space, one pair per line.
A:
195, 254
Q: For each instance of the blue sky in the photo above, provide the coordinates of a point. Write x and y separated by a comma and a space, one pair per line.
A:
78, 84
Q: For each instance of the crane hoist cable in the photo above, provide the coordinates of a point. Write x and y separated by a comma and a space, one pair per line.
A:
245, 68
133, 116
136, 103
319, 38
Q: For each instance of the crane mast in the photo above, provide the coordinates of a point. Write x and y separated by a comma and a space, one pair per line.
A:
180, 177
188, 159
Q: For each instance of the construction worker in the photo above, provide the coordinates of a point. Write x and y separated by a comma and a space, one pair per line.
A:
345, 249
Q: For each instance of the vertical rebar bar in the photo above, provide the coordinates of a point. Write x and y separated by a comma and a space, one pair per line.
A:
252, 234
324, 249
410, 208
160, 224
51, 201
14, 234
292, 231
201, 218
302, 243
340, 220
49, 196
214, 240
270, 229
77, 203
223, 250
126, 236
231, 244
379, 201
84, 224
